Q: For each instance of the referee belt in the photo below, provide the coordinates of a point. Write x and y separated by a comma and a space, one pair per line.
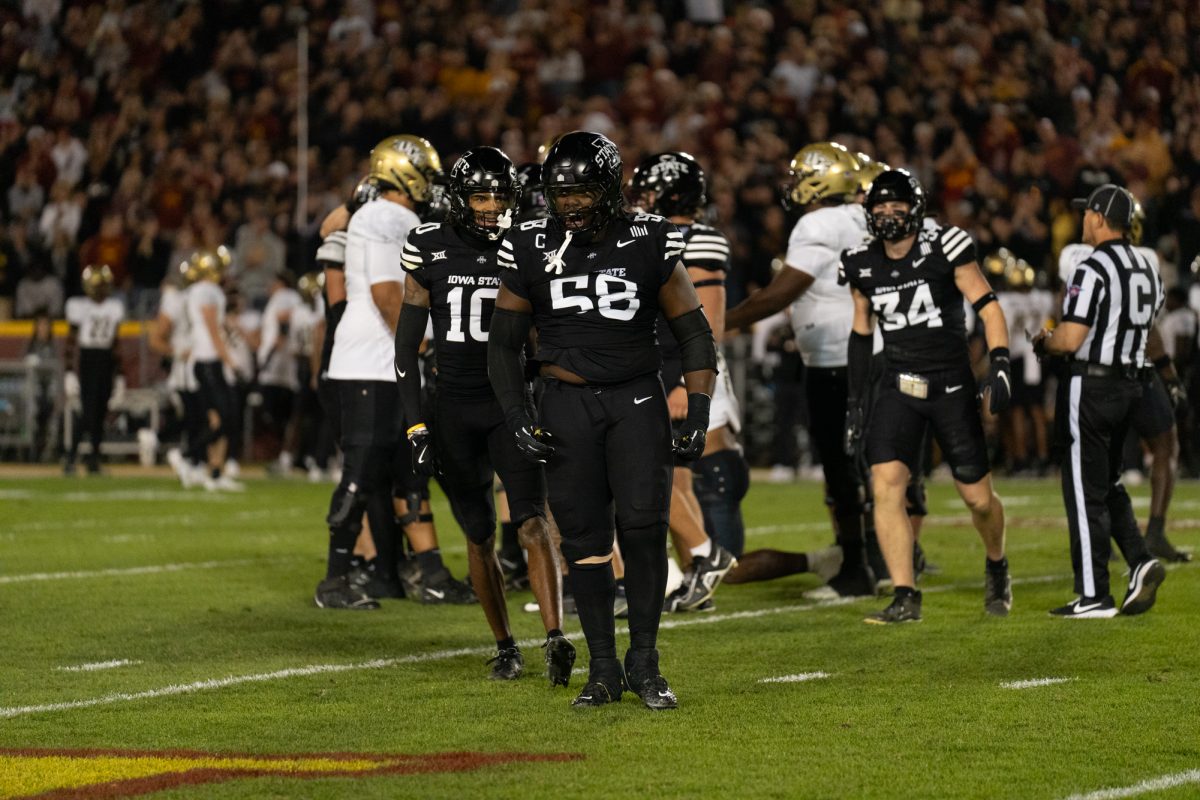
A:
1124, 372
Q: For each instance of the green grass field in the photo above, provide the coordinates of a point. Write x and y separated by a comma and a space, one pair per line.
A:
205, 600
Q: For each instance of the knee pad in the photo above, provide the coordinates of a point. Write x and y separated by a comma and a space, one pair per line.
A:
969, 473
914, 497
413, 500
591, 544
346, 508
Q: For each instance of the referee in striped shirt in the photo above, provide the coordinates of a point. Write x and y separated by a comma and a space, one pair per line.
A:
1108, 311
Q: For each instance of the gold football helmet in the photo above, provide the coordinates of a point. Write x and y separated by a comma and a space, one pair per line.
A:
822, 171
999, 263
869, 169
97, 281
1137, 224
206, 265
1019, 274
408, 163
311, 285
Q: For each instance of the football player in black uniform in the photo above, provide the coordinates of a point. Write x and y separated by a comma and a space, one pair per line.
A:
453, 277
672, 185
913, 281
593, 280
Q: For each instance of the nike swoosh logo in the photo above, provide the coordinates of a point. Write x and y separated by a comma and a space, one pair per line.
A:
436, 593
920, 261
953, 389
637, 401
664, 694
622, 244
401, 374
421, 458
1092, 607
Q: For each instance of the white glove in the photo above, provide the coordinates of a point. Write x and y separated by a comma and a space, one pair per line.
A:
71, 385
118, 396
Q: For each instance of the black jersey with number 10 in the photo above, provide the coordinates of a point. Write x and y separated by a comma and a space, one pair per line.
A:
594, 303
463, 280
915, 299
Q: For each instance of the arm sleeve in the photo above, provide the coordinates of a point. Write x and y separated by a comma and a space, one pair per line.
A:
506, 340
858, 365
409, 333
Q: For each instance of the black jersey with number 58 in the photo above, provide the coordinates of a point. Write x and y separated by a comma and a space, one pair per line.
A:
463, 280
594, 303
915, 299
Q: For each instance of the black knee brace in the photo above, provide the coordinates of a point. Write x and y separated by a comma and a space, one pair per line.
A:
413, 501
346, 508
914, 497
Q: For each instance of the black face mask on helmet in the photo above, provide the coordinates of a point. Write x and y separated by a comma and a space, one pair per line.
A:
676, 181
899, 186
582, 163
487, 171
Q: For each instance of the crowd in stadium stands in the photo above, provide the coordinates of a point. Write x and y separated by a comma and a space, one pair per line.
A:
134, 132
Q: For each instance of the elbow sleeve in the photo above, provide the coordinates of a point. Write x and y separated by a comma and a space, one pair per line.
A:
697, 348
858, 364
409, 332
506, 339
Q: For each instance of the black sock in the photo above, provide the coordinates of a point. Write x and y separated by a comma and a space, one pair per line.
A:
997, 566
850, 538
504, 644
550, 634
430, 562
906, 591
595, 593
341, 551
385, 533
1154, 528
645, 552
215, 472
510, 543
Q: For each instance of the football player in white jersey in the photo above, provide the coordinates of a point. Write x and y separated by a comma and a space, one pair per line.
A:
91, 359
309, 435
211, 357
361, 363
824, 183
278, 378
1024, 311
171, 337
1154, 416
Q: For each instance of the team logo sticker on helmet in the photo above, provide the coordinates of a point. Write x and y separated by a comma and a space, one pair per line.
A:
46, 773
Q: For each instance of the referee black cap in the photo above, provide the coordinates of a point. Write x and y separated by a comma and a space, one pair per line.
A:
1112, 202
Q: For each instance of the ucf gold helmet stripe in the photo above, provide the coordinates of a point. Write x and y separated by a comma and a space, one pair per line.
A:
1137, 224
822, 171
408, 163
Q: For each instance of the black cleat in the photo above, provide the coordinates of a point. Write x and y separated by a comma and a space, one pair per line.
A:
997, 593
904, 608
1161, 548
704, 577
644, 680
343, 591
1087, 608
560, 658
507, 665
1144, 581
605, 683
408, 572
441, 588
854, 581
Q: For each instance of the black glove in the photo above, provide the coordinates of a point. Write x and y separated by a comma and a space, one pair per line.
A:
1039, 345
856, 424
1177, 393
999, 380
532, 441
424, 460
689, 444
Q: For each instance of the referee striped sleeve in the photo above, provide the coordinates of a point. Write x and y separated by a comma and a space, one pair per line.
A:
1082, 295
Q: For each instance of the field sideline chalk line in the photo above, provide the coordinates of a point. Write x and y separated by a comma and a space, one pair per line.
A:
437, 655
1033, 683
1145, 787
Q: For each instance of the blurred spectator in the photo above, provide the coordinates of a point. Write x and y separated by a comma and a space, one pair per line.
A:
70, 157
26, 196
148, 265
38, 290
110, 245
258, 256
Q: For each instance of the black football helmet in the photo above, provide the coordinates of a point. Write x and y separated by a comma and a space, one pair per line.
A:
582, 164
532, 204
365, 191
483, 170
676, 182
895, 185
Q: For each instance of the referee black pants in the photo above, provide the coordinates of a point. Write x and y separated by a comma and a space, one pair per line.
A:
1093, 416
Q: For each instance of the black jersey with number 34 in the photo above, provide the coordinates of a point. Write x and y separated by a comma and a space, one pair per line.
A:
596, 317
915, 299
463, 280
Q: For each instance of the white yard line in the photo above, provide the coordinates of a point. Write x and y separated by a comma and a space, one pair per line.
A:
439, 655
98, 665
1033, 683
152, 569
798, 678
1145, 787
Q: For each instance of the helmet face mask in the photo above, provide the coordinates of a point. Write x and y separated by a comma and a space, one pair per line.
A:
365, 191
895, 206
483, 193
668, 184
581, 180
